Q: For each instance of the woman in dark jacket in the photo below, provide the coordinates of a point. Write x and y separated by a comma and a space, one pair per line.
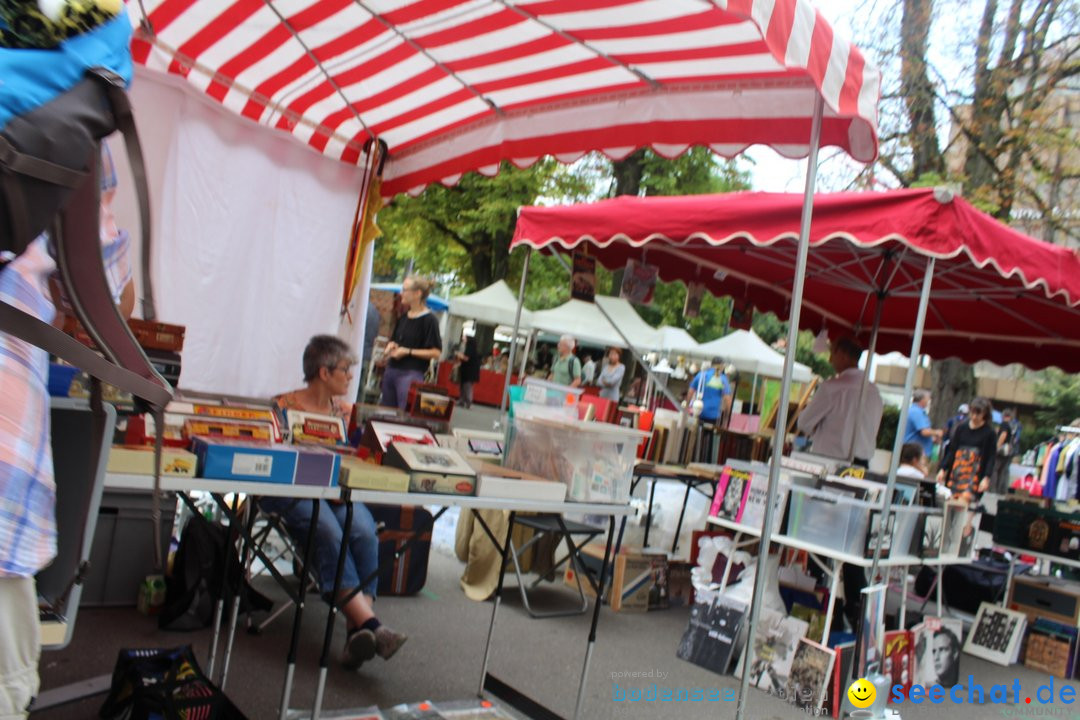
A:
469, 357
968, 462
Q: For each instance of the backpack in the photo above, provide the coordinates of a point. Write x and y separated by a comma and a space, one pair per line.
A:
195, 585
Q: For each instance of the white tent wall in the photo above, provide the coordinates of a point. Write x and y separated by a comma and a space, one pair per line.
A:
250, 235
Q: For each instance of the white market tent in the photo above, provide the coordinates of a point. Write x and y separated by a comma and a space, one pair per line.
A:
676, 340
750, 354
640, 333
494, 305
580, 319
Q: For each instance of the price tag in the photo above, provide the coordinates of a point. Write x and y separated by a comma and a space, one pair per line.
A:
248, 464
535, 394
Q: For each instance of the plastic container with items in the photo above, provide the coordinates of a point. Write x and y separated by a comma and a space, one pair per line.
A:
543, 392
594, 460
829, 519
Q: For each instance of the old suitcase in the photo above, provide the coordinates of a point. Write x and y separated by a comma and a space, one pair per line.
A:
407, 574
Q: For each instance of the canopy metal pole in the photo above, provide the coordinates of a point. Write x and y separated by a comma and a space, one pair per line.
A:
866, 374
513, 342
525, 354
785, 394
753, 394
909, 389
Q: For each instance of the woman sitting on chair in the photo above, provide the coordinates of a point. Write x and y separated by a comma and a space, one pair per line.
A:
328, 368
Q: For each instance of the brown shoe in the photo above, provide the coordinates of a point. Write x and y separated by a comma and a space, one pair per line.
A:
388, 641
359, 648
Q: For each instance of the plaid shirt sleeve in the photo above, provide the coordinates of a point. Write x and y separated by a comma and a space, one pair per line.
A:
27, 490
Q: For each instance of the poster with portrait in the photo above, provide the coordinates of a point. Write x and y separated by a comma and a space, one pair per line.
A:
639, 282
583, 277
937, 651
694, 293
899, 662
732, 490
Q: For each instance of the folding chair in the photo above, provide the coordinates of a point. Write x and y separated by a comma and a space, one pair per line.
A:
564, 530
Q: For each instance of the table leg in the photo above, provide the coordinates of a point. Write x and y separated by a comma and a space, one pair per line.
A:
648, 517
248, 522
503, 552
834, 582
595, 617
940, 572
331, 616
1009, 578
219, 608
682, 513
290, 662
903, 596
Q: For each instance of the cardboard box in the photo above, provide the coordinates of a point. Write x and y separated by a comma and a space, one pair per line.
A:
360, 475
282, 464
432, 469
139, 460
631, 582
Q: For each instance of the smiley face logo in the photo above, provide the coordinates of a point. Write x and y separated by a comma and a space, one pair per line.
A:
861, 693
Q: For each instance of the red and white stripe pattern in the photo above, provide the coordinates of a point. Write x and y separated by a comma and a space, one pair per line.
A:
457, 85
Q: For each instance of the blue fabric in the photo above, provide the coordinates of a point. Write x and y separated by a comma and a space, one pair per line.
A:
917, 421
712, 392
31, 78
361, 560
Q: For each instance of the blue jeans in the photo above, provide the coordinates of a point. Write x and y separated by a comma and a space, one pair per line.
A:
362, 558
395, 386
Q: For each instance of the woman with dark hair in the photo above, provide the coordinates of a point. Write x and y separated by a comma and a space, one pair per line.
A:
469, 357
611, 376
414, 344
328, 369
969, 459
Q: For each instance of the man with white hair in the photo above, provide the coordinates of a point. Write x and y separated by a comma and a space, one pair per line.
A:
566, 370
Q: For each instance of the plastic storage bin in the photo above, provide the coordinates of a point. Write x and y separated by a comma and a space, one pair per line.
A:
122, 554
833, 521
594, 460
548, 393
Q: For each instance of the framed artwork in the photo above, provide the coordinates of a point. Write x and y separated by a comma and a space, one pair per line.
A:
996, 634
933, 526
955, 518
937, 651
969, 532
905, 493
876, 533
485, 447
732, 490
810, 673
694, 293
583, 278
388, 432
432, 459
639, 282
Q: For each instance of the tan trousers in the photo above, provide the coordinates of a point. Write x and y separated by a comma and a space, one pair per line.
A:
20, 646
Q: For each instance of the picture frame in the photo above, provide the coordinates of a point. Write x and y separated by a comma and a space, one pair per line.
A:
933, 525
811, 670
390, 432
953, 524
732, 491
996, 634
943, 635
432, 459
639, 282
874, 530
485, 447
583, 277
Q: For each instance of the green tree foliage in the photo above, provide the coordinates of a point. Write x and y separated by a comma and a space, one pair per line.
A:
462, 233
1058, 394
770, 329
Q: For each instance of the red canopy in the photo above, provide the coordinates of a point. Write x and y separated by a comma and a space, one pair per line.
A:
997, 294
459, 85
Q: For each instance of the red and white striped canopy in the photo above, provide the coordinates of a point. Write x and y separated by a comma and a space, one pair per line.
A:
457, 85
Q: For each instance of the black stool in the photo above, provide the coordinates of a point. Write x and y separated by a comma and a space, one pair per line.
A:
564, 530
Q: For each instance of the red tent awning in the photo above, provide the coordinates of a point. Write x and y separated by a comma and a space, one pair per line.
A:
458, 85
997, 294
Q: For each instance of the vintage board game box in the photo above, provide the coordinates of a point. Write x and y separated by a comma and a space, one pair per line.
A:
139, 460
360, 475
432, 469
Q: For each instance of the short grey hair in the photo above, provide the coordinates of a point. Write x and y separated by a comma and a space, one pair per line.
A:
569, 340
920, 395
325, 351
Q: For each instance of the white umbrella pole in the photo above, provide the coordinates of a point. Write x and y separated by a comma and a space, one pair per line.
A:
513, 342
785, 392
909, 389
